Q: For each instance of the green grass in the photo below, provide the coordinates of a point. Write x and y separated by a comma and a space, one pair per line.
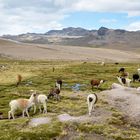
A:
42, 78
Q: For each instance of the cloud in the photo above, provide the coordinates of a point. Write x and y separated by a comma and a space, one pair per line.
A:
135, 26
21, 17
132, 8
108, 20
18, 16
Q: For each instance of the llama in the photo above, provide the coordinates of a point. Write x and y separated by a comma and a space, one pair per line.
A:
19, 79
23, 104
121, 70
58, 83
102, 63
138, 70
91, 100
136, 77
123, 73
124, 81
1, 115
41, 99
54, 92
96, 83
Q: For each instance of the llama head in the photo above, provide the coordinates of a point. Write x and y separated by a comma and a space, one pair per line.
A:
102, 81
121, 70
33, 93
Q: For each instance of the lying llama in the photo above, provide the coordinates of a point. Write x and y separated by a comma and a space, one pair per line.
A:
91, 100
23, 104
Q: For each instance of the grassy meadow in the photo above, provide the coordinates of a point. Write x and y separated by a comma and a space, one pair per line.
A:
39, 75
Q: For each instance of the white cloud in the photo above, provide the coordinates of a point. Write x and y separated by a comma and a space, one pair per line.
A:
135, 26
20, 16
108, 20
126, 6
23, 17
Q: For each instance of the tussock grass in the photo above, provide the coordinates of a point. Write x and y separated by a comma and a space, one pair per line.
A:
39, 75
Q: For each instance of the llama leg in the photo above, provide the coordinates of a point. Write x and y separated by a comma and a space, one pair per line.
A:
55, 95
23, 113
45, 108
58, 97
90, 108
34, 109
13, 114
9, 114
40, 108
27, 112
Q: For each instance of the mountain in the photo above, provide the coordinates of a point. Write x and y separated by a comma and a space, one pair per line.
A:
70, 31
103, 37
28, 38
102, 31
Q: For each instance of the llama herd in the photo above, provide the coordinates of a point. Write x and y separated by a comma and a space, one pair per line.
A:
41, 99
34, 100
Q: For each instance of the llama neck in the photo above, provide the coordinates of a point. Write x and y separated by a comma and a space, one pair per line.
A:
58, 85
32, 98
101, 81
120, 80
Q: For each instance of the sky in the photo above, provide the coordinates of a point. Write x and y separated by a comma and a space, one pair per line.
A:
40, 16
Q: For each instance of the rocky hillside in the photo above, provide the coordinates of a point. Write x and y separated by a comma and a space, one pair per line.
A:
70, 31
103, 37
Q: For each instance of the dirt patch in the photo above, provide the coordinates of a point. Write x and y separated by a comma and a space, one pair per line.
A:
99, 115
57, 52
125, 99
67, 117
38, 121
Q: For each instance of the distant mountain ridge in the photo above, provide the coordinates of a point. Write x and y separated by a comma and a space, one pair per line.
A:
103, 37
70, 31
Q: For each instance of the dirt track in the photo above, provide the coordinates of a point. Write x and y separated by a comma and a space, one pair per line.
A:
50, 52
